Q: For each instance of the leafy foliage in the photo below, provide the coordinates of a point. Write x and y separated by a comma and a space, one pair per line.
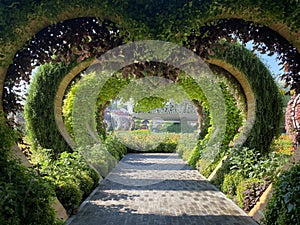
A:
171, 21
233, 122
186, 144
243, 164
7, 138
268, 98
108, 92
284, 205
145, 141
205, 38
72, 178
249, 191
69, 41
192, 23
231, 182
251, 164
115, 146
39, 108
25, 198
67, 109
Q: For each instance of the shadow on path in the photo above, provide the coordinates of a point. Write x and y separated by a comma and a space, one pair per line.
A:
157, 189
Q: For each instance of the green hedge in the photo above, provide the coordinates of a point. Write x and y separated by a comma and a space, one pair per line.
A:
25, 198
71, 177
284, 206
171, 18
234, 120
145, 141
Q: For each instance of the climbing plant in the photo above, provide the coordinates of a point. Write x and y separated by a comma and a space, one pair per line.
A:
39, 108
68, 41
108, 92
204, 39
192, 23
268, 98
234, 120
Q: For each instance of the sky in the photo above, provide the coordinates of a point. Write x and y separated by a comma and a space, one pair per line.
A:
269, 61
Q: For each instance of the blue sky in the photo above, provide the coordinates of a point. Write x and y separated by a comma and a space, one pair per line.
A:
269, 61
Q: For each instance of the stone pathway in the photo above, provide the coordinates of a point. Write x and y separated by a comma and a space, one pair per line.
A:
157, 189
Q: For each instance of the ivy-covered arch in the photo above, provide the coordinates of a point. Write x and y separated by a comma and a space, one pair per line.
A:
172, 21
261, 107
281, 16
264, 101
156, 19
19, 23
196, 14
143, 20
60, 92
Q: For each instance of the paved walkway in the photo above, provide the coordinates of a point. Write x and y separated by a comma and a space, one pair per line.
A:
157, 189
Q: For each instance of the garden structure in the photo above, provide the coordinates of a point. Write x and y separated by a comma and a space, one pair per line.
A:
64, 43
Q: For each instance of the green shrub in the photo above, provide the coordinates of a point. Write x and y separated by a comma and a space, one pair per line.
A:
7, 138
70, 195
197, 152
250, 163
248, 193
72, 177
99, 157
115, 147
145, 141
284, 206
220, 174
86, 183
174, 128
186, 144
25, 198
208, 167
230, 183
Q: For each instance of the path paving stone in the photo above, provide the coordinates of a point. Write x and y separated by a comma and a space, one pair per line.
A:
157, 189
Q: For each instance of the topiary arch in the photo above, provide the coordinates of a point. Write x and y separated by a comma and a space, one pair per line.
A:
177, 22
172, 21
27, 29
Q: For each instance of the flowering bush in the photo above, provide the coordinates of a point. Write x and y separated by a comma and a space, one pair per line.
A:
292, 118
283, 144
145, 141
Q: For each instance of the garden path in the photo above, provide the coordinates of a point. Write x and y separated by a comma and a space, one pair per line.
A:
157, 189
